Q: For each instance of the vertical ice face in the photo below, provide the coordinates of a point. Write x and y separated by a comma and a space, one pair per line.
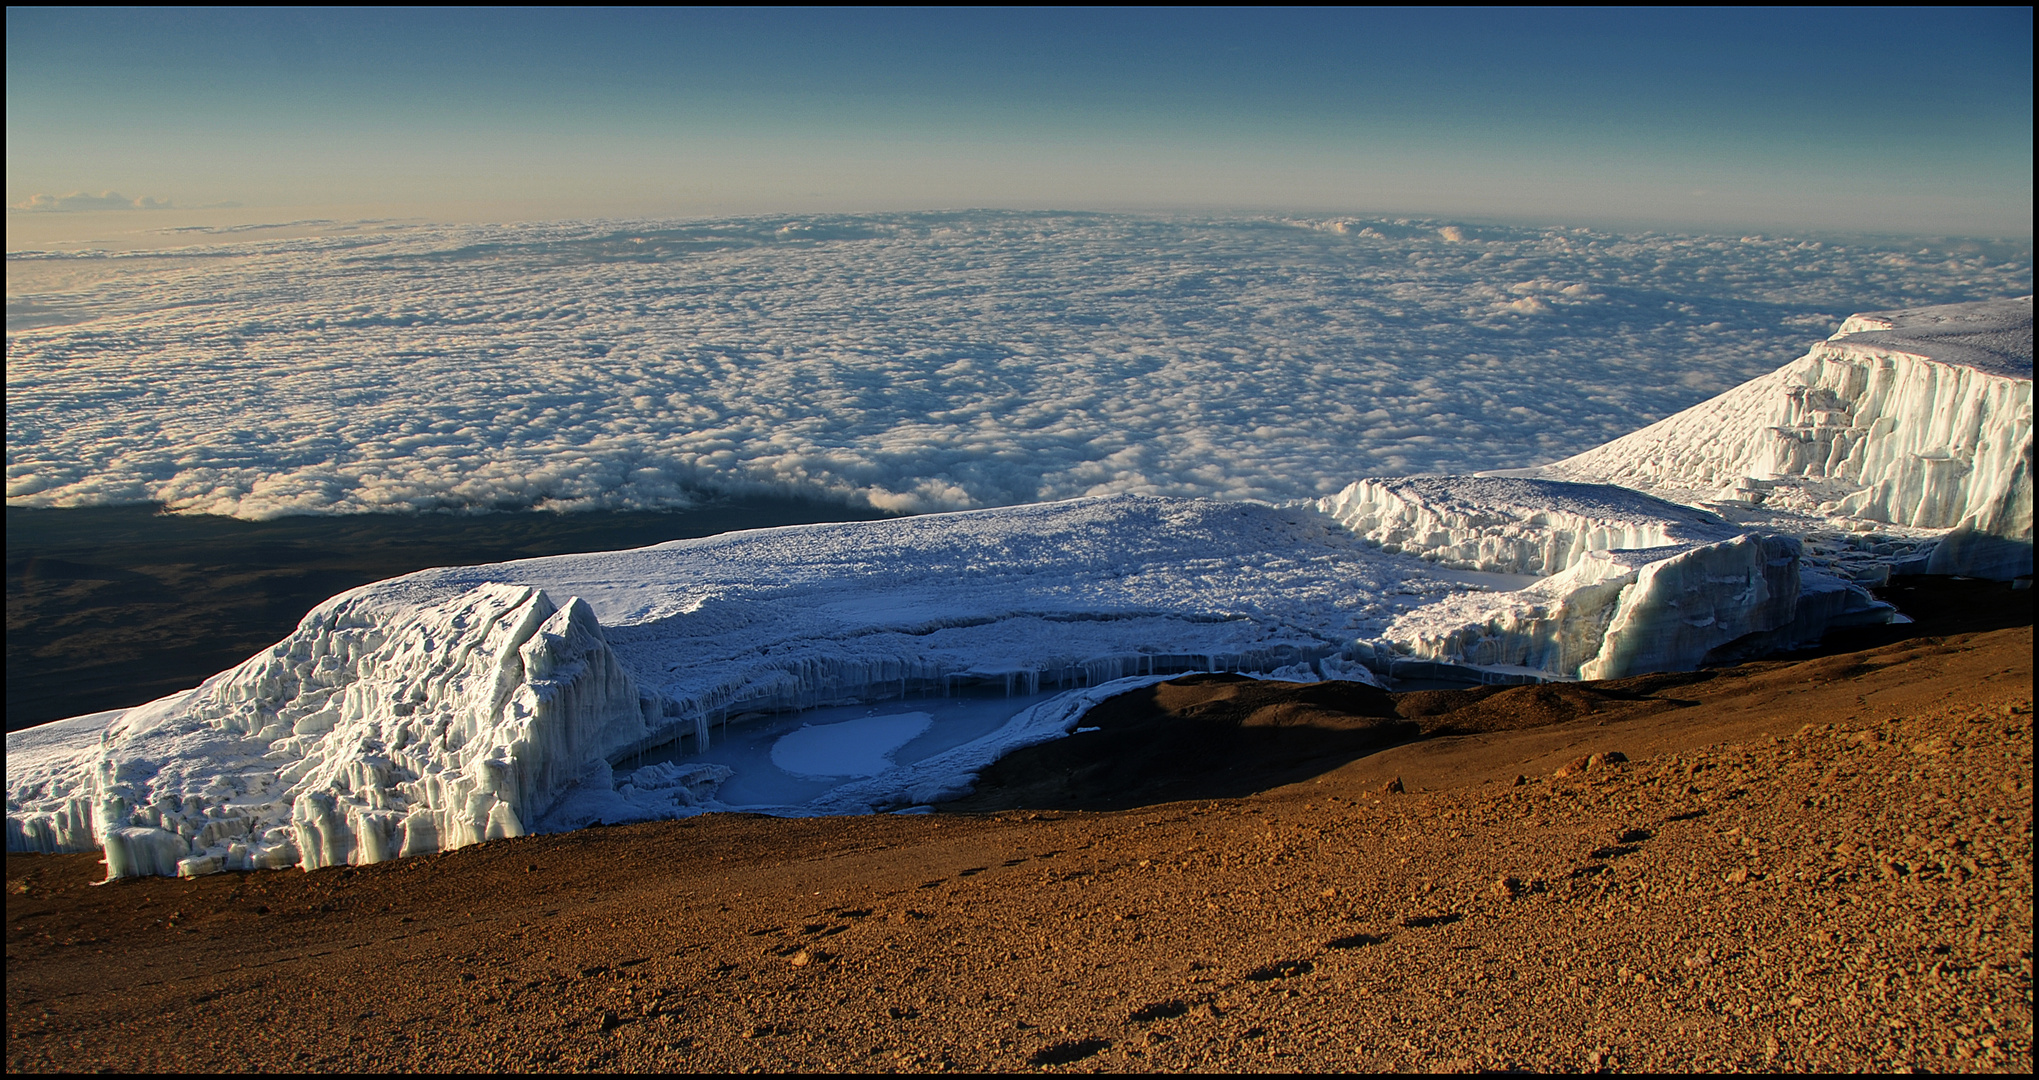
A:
1508, 525
1920, 420
1621, 612
367, 734
1679, 609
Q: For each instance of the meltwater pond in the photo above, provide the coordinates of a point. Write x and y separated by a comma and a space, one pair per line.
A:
791, 759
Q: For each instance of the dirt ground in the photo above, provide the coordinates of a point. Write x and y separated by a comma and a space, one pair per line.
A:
1816, 864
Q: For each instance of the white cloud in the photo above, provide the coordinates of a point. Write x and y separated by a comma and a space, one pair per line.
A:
917, 362
80, 200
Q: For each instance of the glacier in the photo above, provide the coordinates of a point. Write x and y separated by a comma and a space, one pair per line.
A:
1915, 424
461, 704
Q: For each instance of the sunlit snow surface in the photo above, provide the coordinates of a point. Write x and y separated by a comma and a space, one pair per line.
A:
923, 362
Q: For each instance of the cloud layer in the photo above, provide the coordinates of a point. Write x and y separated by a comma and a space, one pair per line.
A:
81, 200
916, 362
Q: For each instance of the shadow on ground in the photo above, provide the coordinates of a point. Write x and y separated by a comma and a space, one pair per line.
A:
1229, 736
112, 606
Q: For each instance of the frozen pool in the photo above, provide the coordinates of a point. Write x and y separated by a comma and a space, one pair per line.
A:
788, 760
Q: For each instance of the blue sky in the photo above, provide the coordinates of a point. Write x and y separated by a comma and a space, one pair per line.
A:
1910, 121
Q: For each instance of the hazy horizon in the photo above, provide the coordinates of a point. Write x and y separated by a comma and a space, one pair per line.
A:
1900, 122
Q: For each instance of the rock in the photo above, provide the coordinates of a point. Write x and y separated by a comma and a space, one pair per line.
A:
1508, 887
1394, 787
1590, 762
801, 958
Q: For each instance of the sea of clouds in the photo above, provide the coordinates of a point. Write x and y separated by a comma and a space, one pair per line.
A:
908, 361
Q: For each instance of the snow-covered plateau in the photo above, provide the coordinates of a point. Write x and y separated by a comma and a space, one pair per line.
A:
455, 705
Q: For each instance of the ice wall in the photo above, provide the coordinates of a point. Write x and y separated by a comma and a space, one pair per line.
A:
370, 732
1632, 583
1918, 419
1623, 612
1511, 525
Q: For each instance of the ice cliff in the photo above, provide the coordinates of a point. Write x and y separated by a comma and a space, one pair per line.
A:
366, 734
1626, 582
455, 705
1917, 423
1513, 526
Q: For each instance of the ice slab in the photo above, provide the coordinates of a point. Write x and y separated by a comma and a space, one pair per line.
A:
774, 762
1020, 599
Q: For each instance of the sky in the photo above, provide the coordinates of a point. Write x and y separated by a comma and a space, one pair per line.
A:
1884, 120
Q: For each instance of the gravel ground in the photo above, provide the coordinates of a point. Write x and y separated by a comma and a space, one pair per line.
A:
1813, 865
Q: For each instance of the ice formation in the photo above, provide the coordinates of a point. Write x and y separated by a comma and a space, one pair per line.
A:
1625, 582
367, 734
849, 748
451, 706
454, 705
1915, 423
1507, 525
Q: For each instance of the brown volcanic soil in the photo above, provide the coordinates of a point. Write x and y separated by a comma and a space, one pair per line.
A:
1815, 864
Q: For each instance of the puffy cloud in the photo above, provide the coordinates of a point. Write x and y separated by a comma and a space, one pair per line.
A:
81, 200
916, 362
